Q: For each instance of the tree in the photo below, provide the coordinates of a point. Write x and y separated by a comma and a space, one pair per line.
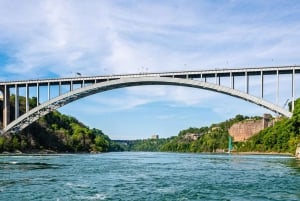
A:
15, 143
101, 144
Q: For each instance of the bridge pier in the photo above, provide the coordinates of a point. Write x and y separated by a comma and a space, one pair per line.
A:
293, 90
27, 97
277, 87
16, 101
231, 80
6, 105
37, 94
262, 84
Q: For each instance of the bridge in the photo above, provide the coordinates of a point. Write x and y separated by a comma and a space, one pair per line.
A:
70, 89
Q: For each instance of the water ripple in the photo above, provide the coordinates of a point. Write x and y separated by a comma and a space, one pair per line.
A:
149, 176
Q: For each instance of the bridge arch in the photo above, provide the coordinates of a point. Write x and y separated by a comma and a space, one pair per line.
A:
57, 102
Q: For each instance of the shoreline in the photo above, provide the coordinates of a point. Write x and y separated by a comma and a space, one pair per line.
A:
261, 153
50, 152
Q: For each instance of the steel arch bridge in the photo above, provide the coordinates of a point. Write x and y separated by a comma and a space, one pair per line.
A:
97, 84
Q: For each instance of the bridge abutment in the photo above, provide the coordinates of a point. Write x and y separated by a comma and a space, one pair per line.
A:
5, 106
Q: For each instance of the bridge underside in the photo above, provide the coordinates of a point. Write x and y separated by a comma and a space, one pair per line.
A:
32, 115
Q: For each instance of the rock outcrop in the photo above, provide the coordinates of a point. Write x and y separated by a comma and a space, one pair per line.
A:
242, 131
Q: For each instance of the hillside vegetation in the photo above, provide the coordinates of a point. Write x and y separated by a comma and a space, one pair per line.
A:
282, 137
204, 139
56, 132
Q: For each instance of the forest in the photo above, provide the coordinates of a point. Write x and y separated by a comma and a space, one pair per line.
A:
204, 139
282, 137
55, 132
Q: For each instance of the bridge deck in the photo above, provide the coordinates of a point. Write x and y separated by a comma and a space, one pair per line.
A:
177, 74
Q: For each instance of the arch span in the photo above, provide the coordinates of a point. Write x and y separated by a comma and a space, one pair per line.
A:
55, 103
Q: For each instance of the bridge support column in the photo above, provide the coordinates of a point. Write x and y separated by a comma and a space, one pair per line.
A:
293, 90
37, 94
231, 81
6, 107
48, 91
277, 88
59, 88
216, 78
246, 83
262, 84
27, 98
16, 101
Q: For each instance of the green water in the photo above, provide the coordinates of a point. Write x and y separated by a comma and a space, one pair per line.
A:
149, 176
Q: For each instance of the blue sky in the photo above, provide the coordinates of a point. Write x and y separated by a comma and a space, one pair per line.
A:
42, 39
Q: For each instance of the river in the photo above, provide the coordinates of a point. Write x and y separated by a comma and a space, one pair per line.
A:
149, 176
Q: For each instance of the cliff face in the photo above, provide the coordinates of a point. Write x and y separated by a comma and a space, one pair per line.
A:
242, 131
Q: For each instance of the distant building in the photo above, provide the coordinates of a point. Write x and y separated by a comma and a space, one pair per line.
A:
155, 137
192, 136
216, 128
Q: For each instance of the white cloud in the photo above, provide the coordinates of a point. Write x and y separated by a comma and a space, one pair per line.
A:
107, 37
58, 38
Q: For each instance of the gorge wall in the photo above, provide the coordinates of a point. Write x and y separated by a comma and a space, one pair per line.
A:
242, 131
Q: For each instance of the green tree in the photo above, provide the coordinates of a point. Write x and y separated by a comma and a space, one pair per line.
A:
16, 143
101, 144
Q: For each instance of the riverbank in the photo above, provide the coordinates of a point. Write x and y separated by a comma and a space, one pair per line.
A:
45, 152
261, 153
17, 152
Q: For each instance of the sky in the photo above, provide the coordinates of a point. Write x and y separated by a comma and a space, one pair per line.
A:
51, 39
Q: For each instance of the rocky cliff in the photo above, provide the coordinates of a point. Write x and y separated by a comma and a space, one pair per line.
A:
242, 131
